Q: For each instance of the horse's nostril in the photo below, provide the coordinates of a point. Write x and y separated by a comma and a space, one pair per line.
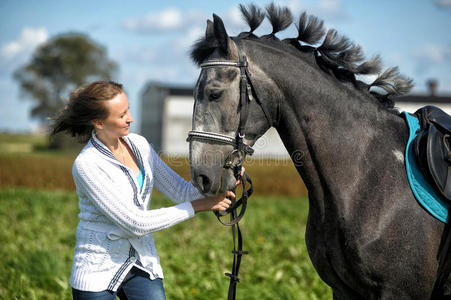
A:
204, 183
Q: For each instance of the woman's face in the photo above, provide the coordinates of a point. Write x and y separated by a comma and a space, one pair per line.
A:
117, 124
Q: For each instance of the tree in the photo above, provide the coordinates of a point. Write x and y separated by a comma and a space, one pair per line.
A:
57, 67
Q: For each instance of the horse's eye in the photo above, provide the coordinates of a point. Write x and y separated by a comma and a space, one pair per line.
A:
214, 95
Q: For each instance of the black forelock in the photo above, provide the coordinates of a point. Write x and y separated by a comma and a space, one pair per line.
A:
202, 49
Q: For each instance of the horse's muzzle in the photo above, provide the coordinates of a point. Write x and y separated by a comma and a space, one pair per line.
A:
211, 182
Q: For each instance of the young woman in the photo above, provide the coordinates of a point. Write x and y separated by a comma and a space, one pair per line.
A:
114, 175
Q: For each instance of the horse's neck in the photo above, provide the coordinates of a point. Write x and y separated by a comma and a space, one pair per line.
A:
338, 142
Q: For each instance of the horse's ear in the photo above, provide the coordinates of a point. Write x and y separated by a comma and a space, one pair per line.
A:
220, 34
209, 32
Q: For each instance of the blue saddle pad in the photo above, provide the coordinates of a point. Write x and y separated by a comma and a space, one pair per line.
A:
426, 195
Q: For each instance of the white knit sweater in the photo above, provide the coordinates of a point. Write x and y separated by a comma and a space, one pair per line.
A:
115, 229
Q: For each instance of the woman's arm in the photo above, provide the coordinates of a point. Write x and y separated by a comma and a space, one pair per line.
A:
94, 184
170, 183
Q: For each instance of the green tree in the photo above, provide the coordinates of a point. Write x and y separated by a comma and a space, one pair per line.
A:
57, 67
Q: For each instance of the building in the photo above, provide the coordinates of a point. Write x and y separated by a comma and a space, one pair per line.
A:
166, 120
167, 110
166, 113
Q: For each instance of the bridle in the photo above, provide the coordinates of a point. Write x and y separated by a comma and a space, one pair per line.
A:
247, 91
236, 157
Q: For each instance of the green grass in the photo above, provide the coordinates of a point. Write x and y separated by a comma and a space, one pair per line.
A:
36, 243
38, 231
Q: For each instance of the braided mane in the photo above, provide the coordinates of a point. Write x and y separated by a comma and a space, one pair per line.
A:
334, 53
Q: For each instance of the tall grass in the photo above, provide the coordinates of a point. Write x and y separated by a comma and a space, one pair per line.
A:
45, 170
38, 231
53, 170
39, 168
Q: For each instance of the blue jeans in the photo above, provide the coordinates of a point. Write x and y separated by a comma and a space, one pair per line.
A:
136, 286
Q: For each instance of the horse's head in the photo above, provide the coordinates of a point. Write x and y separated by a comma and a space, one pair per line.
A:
292, 83
221, 113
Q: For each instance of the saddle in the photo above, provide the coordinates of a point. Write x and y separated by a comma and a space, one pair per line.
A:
432, 147
432, 150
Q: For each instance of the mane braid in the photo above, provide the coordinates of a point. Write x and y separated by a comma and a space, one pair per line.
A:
373, 66
338, 50
253, 16
392, 82
337, 55
280, 18
310, 29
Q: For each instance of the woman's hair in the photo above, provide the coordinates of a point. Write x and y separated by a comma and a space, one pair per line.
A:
85, 105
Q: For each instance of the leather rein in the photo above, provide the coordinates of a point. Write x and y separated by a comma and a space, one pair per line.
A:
236, 158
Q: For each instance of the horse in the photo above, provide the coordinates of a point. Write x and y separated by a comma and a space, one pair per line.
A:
367, 236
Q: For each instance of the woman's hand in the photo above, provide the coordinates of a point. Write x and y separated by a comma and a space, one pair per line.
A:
238, 182
219, 202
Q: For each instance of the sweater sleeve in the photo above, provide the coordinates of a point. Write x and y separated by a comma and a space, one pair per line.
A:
170, 183
95, 185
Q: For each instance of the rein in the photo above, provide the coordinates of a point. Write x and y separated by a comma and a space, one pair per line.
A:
236, 158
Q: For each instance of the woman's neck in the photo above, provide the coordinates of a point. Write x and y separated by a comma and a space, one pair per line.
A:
112, 143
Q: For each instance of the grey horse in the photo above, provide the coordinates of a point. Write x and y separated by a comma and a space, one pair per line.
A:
367, 237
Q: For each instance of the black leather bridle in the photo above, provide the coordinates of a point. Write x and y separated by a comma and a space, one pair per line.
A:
236, 158
247, 91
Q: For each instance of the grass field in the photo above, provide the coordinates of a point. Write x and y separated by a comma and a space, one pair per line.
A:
38, 217
37, 239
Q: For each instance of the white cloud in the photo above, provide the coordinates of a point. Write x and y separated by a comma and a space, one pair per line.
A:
168, 20
443, 3
233, 16
29, 39
330, 5
434, 53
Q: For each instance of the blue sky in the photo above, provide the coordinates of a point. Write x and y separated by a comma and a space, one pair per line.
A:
150, 40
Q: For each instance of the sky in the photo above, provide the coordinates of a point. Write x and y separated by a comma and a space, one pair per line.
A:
150, 40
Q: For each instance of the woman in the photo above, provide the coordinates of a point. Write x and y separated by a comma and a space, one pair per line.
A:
114, 175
